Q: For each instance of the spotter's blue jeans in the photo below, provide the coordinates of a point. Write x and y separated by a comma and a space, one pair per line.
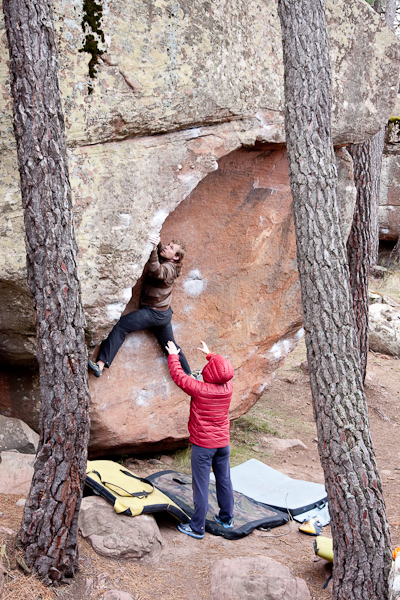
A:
202, 459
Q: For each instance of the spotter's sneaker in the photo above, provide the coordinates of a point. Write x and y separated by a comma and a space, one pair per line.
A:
225, 524
185, 528
197, 375
94, 367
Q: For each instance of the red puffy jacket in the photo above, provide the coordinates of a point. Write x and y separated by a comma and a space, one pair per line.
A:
209, 408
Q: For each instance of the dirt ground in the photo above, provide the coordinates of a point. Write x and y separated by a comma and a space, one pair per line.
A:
183, 572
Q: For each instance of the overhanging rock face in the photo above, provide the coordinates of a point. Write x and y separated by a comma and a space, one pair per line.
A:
239, 291
164, 141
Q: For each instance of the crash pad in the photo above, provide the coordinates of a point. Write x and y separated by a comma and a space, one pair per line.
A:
248, 513
323, 547
129, 494
304, 499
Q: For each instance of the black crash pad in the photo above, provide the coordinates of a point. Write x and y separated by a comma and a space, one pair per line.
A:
248, 513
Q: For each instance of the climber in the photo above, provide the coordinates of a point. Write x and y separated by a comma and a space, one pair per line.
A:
155, 313
209, 436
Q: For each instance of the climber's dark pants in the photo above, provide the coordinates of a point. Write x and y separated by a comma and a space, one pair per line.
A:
158, 321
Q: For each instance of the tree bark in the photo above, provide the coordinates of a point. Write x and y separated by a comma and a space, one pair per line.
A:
395, 253
360, 530
390, 12
376, 145
362, 245
49, 526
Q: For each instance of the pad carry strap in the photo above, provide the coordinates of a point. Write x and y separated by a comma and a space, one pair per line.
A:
142, 494
180, 481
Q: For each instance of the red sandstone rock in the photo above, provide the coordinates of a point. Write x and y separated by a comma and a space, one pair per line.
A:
239, 291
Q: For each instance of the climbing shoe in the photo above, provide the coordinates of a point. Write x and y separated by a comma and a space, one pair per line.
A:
225, 524
311, 527
94, 367
185, 528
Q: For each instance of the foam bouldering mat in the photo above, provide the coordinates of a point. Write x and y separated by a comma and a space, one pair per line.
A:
323, 547
304, 499
321, 512
248, 513
129, 494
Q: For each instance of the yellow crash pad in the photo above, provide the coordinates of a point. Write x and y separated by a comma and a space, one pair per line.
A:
129, 494
323, 547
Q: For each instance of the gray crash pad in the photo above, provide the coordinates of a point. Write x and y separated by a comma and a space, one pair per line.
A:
248, 513
303, 499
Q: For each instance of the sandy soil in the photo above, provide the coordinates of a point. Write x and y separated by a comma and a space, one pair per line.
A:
183, 572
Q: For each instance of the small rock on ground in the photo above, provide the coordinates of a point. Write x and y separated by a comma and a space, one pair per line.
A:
118, 536
17, 435
280, 444
118, 595
16, 472
167, 460
8, 540
384, 323
255, 577
305, 368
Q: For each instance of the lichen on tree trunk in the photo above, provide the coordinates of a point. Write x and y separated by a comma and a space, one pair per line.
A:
49, 526
360, 529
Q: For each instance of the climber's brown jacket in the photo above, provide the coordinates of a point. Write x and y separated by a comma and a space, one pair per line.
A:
159, 280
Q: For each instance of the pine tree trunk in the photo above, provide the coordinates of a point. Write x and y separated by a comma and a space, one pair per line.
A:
49, 526
360, 530
378, 6
362, 245
390, 15
390, 12
377, 143
395, 253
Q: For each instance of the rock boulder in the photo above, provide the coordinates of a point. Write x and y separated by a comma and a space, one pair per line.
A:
389, 190
8, 540
16, 472
118, 595
384, 329
17, 435
282, 445
183, 133
239, 291
118, 536
255, 577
